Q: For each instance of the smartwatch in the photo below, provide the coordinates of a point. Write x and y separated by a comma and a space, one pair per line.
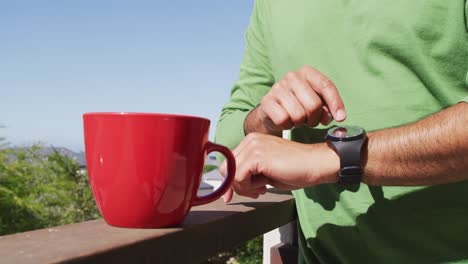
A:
347, 141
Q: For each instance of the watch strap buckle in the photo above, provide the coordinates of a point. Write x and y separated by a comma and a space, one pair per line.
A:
350, 175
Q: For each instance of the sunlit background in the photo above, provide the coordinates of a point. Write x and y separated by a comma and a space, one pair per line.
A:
59, 59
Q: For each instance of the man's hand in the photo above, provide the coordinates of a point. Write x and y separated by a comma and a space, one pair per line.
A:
306, 97
264, 159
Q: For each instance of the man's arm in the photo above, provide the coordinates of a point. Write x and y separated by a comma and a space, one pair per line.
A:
254, 81
431, 151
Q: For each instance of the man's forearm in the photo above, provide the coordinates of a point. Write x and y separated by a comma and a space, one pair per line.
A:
431, 151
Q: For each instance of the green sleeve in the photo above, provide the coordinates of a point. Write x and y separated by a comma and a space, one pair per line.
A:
466, 81
466, 78
255, 79
466, 21
465, 99
466, 15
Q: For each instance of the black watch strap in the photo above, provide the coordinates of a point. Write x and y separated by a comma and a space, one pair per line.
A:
350, 161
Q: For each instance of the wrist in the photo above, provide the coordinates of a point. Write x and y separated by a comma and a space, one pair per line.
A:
254, 122
331, 165
364, 159
325, 166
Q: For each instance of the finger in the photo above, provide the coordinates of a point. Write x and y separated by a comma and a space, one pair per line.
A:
236, 185
227, 197
261, 190
327, 91
223, 169
251, 195
308, 98
242, 179
259, 181
282, 186
326, 117
315, 112
244, 182
236, 151
244, 142
256, 192
255, 186
293, 107
277, 114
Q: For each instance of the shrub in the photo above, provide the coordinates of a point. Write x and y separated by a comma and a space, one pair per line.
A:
38, 191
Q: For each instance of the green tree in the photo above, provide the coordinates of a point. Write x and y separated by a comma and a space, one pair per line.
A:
249, 252
208, 167
3, 142
38, 191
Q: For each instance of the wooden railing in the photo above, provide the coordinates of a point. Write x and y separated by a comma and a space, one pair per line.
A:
207, 230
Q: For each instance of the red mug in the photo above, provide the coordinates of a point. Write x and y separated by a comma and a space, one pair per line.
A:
145, 169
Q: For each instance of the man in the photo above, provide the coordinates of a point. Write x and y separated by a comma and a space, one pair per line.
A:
397, 69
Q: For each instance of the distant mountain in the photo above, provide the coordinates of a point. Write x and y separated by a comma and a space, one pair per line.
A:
79, 157
210, 179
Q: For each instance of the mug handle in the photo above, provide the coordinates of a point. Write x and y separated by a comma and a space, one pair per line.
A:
231, 171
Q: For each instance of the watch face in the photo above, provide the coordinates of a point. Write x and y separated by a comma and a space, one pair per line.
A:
345, 132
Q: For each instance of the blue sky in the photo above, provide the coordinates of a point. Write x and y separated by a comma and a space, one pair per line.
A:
59, 59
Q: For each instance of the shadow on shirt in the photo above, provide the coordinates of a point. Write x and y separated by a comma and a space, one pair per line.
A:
429, 225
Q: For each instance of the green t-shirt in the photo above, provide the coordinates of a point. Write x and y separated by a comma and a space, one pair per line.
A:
394, 62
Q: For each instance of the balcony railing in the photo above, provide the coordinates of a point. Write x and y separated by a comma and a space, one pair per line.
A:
207, 230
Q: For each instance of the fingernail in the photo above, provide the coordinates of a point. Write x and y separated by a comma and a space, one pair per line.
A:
340, 115
224, 198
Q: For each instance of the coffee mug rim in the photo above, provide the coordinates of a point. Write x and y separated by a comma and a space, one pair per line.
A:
165, 115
